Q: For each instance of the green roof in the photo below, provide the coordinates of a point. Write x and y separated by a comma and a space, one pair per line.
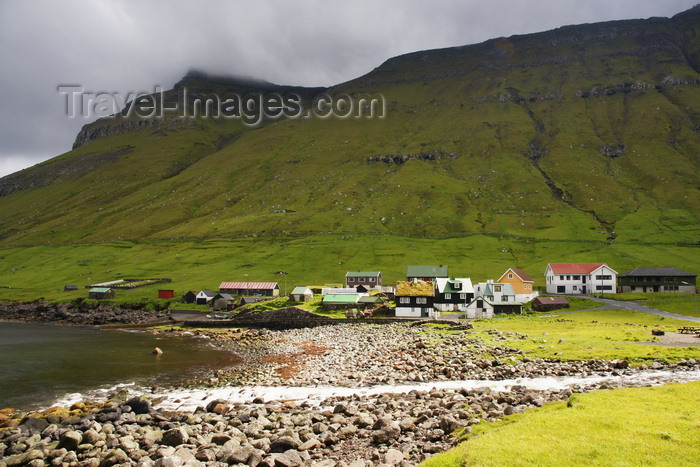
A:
427, 271
99, 290
300, 290
362, 274
341, 298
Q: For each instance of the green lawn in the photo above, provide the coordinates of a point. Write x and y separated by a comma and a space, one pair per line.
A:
601, 334
688, 306
32, 272
656, 426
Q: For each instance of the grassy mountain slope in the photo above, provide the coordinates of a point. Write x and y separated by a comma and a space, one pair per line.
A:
587, 133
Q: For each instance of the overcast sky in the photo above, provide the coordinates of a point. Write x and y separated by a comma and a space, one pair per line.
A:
130, 45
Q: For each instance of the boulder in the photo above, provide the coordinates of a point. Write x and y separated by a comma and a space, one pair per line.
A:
70, 440
139, 405
175, 437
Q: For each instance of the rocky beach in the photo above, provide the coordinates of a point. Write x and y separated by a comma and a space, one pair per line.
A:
419, 411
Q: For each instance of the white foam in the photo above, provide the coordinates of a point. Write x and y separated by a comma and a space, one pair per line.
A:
190, 399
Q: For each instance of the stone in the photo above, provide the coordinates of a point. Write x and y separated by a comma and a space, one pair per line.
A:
139, 405
115, 457
175, 437
393, 457
284, 443
33, 425
70, 440
288, 458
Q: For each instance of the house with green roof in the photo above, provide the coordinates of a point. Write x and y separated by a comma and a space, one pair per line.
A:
301, 294
100, 293
339, 301
453, 294
370, 279
426, 273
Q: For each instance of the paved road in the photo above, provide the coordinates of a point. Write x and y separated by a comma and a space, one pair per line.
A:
644, 309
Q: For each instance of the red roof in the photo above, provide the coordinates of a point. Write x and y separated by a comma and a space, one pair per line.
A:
574, 268
248, 285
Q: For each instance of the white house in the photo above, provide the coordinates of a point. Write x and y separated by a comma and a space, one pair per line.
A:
580, 278
479, 307
204, 297
495, 291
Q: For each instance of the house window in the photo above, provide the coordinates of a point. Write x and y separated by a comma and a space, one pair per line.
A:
448, 296
505, 298
463, 296
371, 279
603, 277
577, 278
421, 300
568, 278
575, 287
351, 279
404, 300
561, 278
510, 275
603, 287
496, 288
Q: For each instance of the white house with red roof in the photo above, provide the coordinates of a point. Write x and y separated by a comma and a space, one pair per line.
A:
251, 289
580, 278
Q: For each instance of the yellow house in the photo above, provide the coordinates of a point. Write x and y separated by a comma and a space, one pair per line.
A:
521, 282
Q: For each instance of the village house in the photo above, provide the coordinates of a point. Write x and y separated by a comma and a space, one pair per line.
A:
667, 279
453, 294
301, 294
222, 301
495, 291
252, 289
549, 303
100, 293
204, 296
580, 278
426, 273
521, 283
189, 297
369, 279
479, 308
340, 301
414, 299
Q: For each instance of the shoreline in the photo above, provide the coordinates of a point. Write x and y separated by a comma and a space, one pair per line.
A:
326, 396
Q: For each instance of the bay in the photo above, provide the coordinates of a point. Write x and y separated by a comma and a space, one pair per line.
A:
41, 363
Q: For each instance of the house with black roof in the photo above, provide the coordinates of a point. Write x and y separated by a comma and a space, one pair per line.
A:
667, 279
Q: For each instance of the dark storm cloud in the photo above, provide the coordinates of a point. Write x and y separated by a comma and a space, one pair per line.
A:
128, 45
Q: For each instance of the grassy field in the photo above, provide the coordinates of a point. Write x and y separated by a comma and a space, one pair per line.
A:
688, 306
585, 335
639, 426
32, 272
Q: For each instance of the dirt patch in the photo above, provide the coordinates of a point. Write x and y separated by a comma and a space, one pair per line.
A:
289, 363
676, 339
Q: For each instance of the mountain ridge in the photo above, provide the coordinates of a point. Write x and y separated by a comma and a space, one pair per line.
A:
586, 131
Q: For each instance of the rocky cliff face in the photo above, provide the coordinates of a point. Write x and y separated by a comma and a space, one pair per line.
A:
111, 127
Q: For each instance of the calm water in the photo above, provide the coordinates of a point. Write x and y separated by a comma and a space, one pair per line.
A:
41, 363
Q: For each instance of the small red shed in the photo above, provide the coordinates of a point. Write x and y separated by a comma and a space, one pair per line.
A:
166, 293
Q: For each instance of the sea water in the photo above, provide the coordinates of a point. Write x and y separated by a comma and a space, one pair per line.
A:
41, 364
